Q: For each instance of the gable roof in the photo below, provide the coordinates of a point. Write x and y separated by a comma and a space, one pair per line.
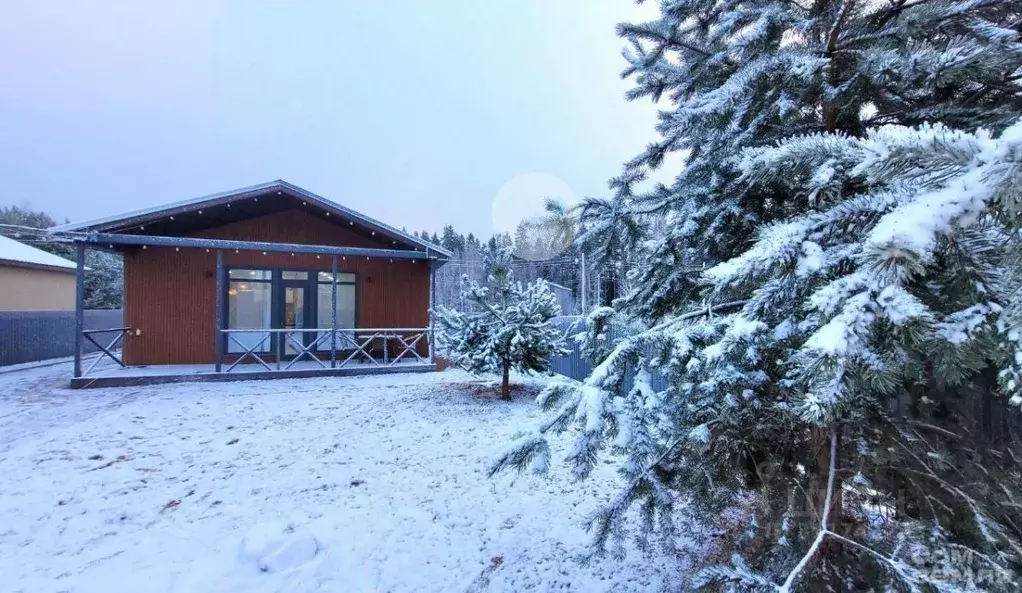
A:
140, 217
18, 254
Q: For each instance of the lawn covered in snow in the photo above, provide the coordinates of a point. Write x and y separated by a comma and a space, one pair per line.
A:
332, 484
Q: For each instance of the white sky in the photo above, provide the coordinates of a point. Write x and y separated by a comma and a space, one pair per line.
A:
417, 113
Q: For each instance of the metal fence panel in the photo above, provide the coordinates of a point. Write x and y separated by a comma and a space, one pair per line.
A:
575, 366
29, 336
1000, 421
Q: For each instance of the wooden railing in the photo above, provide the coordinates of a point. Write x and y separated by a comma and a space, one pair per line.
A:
105, 351
328, 348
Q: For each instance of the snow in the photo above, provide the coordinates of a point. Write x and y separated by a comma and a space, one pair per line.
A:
279, 545
915, 225
15, 251
356, 484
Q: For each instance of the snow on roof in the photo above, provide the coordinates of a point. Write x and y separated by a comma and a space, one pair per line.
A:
100, 223
19, 253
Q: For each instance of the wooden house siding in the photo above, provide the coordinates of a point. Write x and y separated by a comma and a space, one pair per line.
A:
170, 296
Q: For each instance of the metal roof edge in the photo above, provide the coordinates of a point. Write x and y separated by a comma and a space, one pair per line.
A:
13, 263
228, 196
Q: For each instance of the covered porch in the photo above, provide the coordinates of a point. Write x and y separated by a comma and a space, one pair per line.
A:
262, 282
269, 321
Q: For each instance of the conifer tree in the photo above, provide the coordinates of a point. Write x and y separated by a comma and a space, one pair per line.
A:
832, 305
507, 326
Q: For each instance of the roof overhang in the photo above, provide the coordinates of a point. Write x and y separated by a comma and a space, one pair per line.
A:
34, 266
134, 223
117, 239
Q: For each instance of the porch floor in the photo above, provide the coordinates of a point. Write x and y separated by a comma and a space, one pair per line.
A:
117, 376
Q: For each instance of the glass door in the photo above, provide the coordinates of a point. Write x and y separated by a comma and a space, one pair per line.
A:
293, 316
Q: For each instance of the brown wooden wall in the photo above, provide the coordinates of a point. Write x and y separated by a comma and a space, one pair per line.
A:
170, 295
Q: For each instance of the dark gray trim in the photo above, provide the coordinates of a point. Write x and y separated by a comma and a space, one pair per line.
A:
333, 308
79, 306
140, 217
196, 243
432, 304
128, 381
221, 293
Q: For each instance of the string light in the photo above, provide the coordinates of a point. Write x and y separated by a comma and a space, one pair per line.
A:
172, 218
200, 211
328, 214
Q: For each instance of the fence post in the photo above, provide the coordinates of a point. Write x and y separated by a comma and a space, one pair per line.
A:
432, 301
79, 305
219, 335
333, 313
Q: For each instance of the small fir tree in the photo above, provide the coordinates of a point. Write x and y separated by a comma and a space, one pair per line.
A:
507, 324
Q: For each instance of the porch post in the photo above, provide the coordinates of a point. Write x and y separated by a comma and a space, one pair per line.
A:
432, 300
333, 312
218, 337
79, 305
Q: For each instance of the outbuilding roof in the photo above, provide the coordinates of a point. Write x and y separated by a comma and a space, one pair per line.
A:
19, 254
133, 221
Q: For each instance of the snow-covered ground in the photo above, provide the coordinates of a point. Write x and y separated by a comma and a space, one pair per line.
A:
333, 484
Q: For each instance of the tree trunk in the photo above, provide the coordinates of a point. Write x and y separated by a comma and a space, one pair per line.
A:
505, 385
825, 580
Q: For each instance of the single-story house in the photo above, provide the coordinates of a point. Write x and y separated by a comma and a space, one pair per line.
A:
261, 282
34, 280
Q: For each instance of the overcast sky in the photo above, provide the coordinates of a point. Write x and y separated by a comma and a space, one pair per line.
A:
417, 113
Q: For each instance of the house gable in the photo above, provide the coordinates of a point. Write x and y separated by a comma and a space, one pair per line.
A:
198, 216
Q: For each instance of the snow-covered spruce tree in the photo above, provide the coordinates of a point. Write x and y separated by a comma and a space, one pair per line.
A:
507, 324
832, 411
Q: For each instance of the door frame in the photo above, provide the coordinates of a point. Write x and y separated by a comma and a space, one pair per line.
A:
278, 304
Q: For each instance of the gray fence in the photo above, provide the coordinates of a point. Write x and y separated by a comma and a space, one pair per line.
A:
575, 366
28, 336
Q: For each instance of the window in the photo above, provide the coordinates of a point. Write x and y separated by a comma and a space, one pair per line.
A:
292, 275
250, 275
249, 306
342, 277
345, 309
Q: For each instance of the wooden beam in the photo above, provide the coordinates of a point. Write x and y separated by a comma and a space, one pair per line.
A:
197, 243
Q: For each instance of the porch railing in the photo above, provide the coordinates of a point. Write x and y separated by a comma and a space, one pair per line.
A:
282, 348
107, 351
